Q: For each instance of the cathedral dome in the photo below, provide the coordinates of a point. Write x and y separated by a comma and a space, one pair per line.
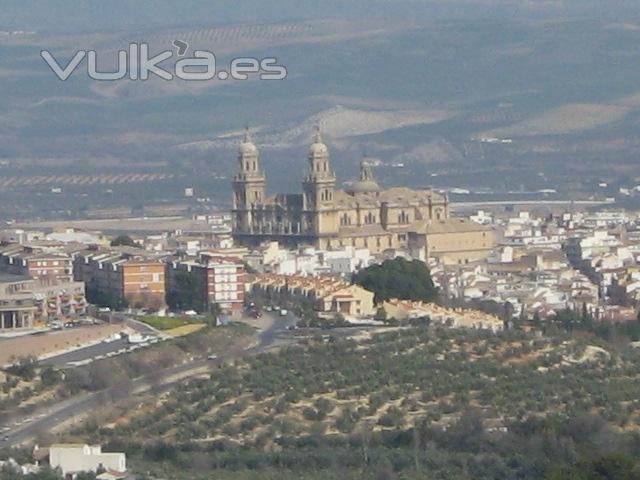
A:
367, 182
365, 186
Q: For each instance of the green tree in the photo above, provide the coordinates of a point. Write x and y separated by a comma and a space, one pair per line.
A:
50, 376
124, 241
86, 476
104, 299
381, 315
586, 318
398, 278
188, 292
24, 368
608, 467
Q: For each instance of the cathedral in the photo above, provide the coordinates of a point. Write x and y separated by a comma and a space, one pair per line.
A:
363, 215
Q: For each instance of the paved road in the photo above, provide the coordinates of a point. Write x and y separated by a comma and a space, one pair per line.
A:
47, 419
86, 353
101, 349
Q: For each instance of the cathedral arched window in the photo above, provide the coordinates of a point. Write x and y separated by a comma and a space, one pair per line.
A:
369, 218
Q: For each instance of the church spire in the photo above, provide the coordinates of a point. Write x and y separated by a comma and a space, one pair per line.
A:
319, 155
318, 189
247, 135
317, 135
248, 155
248, 185
366, 174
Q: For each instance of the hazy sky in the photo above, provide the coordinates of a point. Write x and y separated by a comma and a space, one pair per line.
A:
89, 15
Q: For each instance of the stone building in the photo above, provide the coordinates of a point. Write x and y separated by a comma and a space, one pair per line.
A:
453, 241
362, 216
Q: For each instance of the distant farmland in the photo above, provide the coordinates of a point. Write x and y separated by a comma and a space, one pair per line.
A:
117, 179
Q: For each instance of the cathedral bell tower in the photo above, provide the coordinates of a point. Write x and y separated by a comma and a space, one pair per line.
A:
318, 189
248, 186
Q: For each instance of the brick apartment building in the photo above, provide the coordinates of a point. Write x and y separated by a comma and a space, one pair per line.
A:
121, 277
216, 280
36, 262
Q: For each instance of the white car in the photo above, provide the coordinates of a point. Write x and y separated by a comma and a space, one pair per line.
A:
283, 313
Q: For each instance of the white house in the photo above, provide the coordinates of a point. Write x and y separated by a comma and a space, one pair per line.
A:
72, 459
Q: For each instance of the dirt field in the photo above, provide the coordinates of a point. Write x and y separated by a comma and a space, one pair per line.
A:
48, 343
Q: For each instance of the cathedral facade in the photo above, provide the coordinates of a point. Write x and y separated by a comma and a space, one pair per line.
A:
363, 215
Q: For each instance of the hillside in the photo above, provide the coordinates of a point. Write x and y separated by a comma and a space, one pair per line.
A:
431, 98
425, 403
